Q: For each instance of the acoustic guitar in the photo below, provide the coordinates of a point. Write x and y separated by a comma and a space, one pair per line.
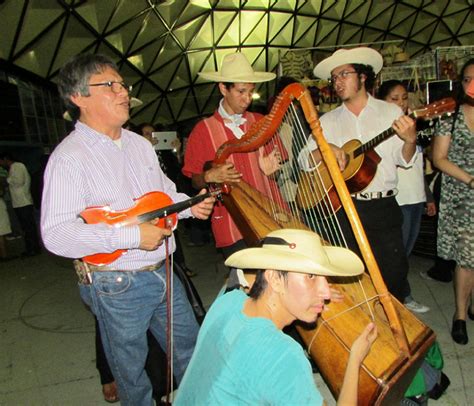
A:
151, 206
316, 188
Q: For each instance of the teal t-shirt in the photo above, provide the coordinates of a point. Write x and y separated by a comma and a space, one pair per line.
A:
240, 360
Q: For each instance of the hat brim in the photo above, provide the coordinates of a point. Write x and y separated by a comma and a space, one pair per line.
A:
256, 77
362, 55
342, 262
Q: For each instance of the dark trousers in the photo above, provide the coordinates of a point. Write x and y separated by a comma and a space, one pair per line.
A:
382, 221
26, 218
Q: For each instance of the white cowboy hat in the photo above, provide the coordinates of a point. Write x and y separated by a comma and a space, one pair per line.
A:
362, 55
298, 251
235, 68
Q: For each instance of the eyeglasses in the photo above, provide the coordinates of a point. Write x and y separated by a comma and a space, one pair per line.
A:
114, 85
342, 75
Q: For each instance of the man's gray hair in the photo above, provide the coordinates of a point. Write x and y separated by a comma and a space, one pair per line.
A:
74, 78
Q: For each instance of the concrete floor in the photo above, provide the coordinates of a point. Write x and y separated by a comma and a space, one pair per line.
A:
47, 336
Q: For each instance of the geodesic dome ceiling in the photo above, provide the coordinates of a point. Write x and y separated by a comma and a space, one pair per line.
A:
160, 46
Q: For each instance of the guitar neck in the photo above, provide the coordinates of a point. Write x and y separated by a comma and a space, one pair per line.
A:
376, 140
174, 208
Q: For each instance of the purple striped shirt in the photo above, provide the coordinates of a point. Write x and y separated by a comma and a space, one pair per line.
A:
89, 169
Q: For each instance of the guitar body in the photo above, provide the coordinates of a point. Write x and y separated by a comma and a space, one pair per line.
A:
122, 218
316, 187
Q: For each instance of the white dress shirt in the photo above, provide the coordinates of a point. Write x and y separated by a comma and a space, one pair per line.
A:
341, 125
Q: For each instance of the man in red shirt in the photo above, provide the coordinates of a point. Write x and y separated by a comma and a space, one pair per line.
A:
231, 120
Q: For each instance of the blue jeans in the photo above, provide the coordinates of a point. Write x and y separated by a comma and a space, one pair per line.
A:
127, 304
411, 224
410, 229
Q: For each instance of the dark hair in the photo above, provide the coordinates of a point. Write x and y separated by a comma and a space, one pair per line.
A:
283, 82
143, 125
74, 77
228, 85
260, 283
8, 156
461, 95
369, 73
386, 88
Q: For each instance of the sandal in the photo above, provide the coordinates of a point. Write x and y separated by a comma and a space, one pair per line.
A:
109, 391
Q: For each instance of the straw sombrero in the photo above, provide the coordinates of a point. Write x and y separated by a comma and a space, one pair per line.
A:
298, 251
235, 68
361, 55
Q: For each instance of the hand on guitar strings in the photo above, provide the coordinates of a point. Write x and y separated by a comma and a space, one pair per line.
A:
222, 173
151, 236
405, 127
203, 209
271, 163
340, 155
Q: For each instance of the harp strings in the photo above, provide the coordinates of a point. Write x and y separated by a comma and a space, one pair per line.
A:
293, 134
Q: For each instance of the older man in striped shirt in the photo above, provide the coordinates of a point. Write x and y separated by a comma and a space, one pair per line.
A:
102, 164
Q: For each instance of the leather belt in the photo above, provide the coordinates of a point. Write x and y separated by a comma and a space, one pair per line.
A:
148, 268
374, 195
83, 270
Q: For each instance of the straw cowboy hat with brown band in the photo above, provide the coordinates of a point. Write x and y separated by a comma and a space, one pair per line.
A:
235, 68
298, 251
361, 55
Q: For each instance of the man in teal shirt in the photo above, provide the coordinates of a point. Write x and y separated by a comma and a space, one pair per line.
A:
242, 356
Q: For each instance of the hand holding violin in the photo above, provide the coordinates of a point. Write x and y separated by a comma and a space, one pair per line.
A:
151, 236
203, 209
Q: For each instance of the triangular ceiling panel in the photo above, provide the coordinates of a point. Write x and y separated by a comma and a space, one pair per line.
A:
281, 24
259, 32
96, 13
127, 34
186, 33
170, 11
194, 9
163, 114
231, 35
124, 12
37, 18
161, 45
254, 31
196, 61
181, 75
42, 52
151, 30
11, 13
222, 21
204, 37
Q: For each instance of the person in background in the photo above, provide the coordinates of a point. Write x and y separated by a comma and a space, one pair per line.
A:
413, 192
19, 182
5, 227
170, 165
242, 355
101, 164
453, 154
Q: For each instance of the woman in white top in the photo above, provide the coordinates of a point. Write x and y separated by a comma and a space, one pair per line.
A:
412, 190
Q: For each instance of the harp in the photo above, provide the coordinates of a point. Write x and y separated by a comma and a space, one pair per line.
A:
403, 339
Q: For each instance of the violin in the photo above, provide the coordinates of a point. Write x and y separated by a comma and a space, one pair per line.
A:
151, 206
